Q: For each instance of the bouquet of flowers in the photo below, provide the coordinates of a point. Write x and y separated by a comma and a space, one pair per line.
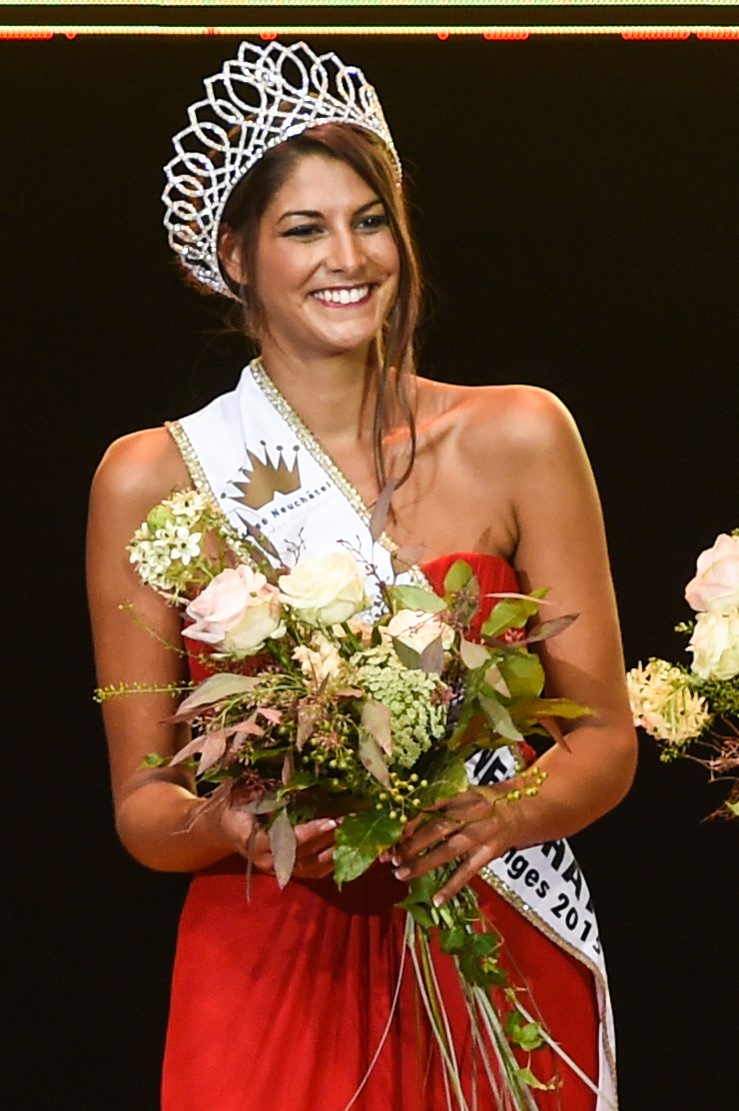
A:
310, 707
694, 711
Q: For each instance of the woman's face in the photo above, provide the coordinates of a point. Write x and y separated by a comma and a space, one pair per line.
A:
327, 262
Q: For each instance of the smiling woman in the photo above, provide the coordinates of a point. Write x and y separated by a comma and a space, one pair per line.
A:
299, 215
325, 279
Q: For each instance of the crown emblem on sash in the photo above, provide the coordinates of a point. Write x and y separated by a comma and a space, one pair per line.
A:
265, 478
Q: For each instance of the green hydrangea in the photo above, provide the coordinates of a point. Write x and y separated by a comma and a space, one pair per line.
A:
413, 697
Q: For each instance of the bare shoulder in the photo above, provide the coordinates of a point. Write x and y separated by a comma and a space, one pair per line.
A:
521, 421
139, 470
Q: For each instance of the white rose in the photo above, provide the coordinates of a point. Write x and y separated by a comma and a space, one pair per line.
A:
715, 645
715, 586
325, 590
236, 612
418, 628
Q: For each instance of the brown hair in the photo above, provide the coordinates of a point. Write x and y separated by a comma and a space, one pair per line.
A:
368, 156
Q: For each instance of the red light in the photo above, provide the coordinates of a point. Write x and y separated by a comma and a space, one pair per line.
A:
728, 34
268, 36
653, 35
499, 35
26, 34
70, 35
443, 35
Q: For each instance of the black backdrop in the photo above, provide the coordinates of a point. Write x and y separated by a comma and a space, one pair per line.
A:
576, 204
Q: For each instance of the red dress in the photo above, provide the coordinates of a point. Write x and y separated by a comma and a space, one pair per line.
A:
280, 1002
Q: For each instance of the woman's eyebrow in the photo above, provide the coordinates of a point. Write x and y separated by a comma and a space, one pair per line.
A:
314, 214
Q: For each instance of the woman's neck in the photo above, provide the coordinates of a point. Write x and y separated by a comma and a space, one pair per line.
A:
335, 397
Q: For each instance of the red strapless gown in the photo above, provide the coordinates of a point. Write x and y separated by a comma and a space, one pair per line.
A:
279, 1003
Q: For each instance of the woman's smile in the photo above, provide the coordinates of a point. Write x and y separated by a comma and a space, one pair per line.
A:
339, 297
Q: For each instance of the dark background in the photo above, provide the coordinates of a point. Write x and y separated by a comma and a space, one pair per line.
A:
576, 203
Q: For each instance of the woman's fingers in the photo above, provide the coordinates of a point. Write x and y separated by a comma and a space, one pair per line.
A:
314, 853
315, 835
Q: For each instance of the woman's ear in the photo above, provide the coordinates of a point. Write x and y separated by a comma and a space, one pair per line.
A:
229, 253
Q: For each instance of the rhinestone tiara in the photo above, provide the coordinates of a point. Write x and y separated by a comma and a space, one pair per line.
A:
263, 96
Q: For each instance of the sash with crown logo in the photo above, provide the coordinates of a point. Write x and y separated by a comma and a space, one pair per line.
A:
252, 455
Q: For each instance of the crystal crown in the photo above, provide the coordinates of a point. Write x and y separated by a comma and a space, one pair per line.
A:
259, 99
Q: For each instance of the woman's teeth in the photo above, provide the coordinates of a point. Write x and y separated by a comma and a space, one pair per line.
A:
342, 296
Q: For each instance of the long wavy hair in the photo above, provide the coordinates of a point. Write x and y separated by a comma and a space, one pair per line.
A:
393, 351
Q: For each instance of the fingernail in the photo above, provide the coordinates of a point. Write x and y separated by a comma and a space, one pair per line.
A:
438, 900
395, 861
328, 825
384, 858
402, 873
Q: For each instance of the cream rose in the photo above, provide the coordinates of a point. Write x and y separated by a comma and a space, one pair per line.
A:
236, 612
418, 628
321, 661
326, 589
715, 586
715, 645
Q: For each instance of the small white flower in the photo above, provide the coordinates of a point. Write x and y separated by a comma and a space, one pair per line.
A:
663, 704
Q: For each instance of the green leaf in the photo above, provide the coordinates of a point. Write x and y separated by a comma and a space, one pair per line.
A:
359, 841
530, 710
378, 520
447, 781
421, 890
432, 658
473, 654
483, 944
300, 781
215, 689
733, 807
509, 613
377, 722
410, 597
457, 577
453, 940
283, 843
154, 760
421, 916
523, 673
408, 656
552, 628
527, 1077
500, 719
526, 1034
371, 757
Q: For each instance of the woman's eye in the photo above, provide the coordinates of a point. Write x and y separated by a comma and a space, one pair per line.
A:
303, 231
371, 223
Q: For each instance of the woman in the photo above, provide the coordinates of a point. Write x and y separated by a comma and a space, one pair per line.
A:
295, 209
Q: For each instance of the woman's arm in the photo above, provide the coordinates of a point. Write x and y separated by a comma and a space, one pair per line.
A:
159, 817
561, 544
131, 626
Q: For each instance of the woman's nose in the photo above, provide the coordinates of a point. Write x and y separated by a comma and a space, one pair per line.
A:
345, 251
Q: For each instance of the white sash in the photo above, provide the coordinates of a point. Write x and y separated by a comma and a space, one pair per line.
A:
252, 455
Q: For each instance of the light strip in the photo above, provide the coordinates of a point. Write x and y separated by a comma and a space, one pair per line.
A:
361, 3
636, 31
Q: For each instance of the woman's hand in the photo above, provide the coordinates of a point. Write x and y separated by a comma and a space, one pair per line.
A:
314, 856
474, 828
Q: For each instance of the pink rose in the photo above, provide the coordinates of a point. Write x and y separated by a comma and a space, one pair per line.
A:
236, 612
715, 586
